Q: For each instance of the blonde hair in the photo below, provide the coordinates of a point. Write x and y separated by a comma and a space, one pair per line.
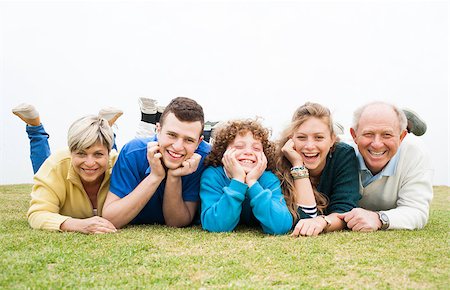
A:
88, 130
283, 165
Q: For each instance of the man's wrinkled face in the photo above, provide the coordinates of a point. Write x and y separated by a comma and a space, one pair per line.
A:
378, 136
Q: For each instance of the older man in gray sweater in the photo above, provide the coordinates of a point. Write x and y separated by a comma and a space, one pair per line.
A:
395, 172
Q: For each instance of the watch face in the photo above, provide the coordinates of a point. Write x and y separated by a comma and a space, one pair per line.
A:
384, 220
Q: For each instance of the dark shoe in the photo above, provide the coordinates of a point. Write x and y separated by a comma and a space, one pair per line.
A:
208, 129
416, 125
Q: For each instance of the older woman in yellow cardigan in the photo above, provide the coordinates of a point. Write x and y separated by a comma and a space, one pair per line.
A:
70, 185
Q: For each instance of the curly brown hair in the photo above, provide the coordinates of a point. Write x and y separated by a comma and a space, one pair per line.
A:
224, 134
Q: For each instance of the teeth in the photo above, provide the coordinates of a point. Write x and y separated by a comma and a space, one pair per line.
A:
176, 155
246, 161
377, 153
310, 154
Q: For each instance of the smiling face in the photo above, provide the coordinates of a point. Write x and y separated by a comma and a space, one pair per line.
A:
178, 140
247, 150
378, 136
313, 140
91, 163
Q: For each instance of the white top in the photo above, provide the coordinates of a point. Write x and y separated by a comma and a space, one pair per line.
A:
405, 195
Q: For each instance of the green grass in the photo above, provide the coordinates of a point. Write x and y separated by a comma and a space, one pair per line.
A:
161, 257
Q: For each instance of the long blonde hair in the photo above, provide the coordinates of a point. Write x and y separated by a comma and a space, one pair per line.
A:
283, 165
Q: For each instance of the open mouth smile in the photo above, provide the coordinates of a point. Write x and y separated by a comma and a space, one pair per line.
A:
174, 154
376, 154
310, 156
89, 171
247, 161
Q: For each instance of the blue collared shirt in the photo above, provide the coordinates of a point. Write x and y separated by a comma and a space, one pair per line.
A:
366, 175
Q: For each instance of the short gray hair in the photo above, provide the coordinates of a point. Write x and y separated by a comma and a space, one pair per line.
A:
400, 115
88, 130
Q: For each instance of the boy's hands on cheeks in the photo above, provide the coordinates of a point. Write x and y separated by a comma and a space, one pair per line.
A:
187, 167
232, 166
258, 170
289, 152
154, 159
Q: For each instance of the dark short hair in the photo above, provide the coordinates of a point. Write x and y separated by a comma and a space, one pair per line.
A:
185, 109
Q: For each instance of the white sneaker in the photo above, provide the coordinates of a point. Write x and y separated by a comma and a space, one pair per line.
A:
147, 105
27, 113
160, 109
145, 130
111, 114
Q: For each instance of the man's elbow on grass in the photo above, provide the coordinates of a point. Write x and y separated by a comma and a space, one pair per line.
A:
113, 219
110, 214
178, 223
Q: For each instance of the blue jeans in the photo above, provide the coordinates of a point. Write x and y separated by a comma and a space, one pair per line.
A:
39, 148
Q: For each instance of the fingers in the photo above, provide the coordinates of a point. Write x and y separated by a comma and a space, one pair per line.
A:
297, 229
103, 230
99, 225
229, 157
289, 145
307, 227
192, 162
342, 216
289, 152
188, 166
153, 150
232, 166
262, 161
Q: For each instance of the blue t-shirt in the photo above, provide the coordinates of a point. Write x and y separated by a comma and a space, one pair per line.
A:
132, 167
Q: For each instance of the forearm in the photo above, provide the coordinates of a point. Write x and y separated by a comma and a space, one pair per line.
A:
176, 212
413, 204
270, 210
304, 192
407, 218
121, 211
46, 220
71, 225
222, 207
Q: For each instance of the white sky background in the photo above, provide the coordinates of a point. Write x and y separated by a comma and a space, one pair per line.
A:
236, 58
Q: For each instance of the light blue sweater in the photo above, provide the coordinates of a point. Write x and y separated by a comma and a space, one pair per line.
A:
226, 203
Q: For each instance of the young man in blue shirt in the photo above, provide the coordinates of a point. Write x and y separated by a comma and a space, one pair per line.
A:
157, 180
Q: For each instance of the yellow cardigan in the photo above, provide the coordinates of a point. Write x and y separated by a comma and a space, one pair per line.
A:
58, 194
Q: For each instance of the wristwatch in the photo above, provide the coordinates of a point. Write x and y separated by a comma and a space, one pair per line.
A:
384, 220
